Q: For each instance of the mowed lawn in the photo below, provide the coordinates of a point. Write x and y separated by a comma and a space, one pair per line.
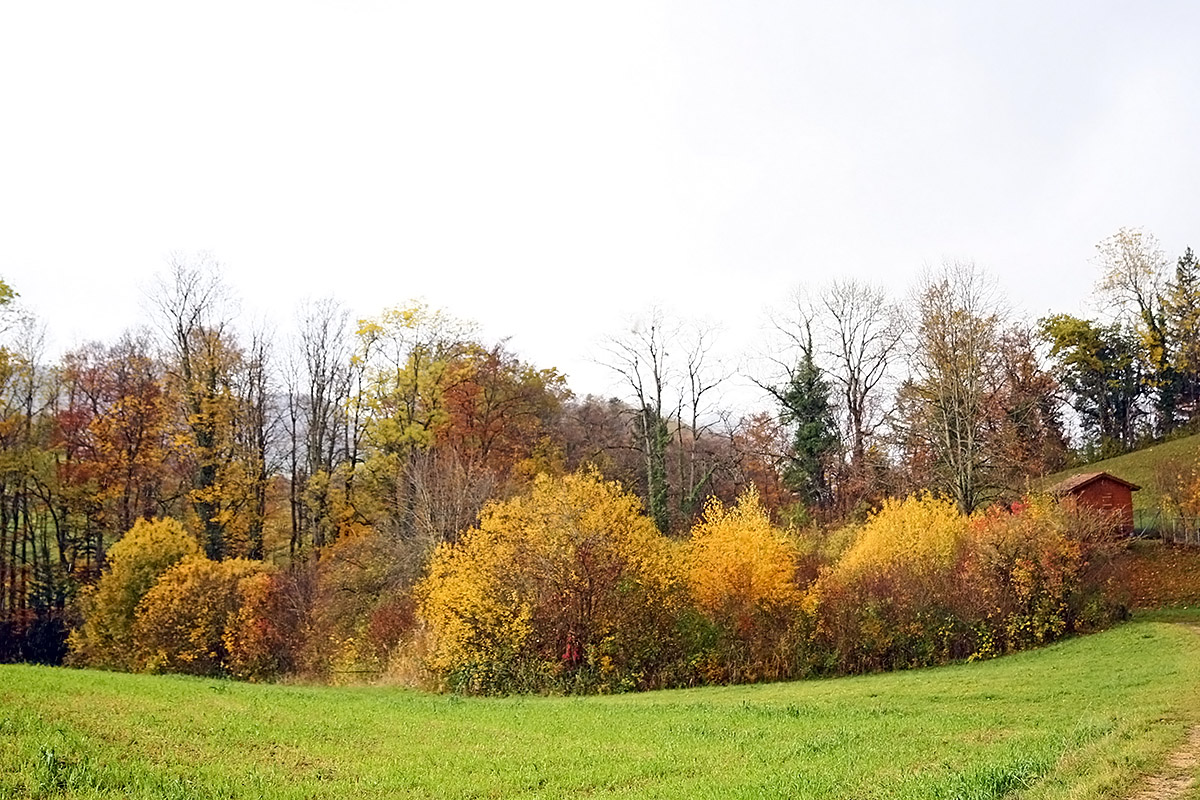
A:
1081, 719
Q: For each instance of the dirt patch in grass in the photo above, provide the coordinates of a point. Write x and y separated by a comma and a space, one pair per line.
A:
1178, 777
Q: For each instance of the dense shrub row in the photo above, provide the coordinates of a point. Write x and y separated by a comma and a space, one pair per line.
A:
569, 587
162, 606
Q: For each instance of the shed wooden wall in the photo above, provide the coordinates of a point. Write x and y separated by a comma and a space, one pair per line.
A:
1107, 495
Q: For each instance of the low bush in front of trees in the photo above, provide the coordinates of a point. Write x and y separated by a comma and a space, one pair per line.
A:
569, 587
537, 599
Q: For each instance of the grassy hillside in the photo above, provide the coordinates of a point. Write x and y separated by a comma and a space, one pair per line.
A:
1080, 719
1140, 467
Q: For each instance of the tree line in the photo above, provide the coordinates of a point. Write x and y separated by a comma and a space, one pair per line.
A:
385, 437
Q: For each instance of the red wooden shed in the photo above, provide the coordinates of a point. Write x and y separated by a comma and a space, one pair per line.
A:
1100, 491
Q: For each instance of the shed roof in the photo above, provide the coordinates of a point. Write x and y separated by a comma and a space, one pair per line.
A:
1077, 482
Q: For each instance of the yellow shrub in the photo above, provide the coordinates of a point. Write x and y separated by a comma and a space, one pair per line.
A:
922, 533
180, 624
465, 601
135, 562
738, 564
743, 578
546, 586
891, 599
924, 584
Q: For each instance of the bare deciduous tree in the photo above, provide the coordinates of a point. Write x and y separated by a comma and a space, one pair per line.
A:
640, 358
957, 370
673, 398
319, 375
855, 335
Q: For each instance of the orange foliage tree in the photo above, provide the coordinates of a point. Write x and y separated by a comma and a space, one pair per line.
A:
114, 432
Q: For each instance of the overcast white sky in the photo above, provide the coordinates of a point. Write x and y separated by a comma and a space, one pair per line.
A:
550, 169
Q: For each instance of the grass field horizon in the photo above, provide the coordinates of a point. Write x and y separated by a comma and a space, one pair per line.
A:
1083, 718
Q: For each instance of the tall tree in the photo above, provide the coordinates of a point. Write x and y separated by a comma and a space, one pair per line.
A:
1029, 432
1133, 281
501, 407
956, 371
855, 335
412, 356
673, 377
1100, 367
194, 308
864, 336
805, 411
640, 358
320, 372
695, 420
114, 428
254, 431
1182, 306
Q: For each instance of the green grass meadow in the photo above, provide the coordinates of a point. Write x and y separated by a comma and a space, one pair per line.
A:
1080, 719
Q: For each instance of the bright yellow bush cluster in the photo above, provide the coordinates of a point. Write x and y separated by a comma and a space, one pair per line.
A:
135, 563
562, 580
162, 606
738, 564
744, 580
569, 587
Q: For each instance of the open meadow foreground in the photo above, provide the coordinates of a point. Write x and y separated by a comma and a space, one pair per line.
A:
1091, 717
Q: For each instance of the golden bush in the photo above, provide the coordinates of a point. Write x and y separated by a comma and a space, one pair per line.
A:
135, 562
738, 564
743, 576
567, 582
181, 623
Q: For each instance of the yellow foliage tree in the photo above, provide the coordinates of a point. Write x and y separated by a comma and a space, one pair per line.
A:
567, 582
411, 355
135, 562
